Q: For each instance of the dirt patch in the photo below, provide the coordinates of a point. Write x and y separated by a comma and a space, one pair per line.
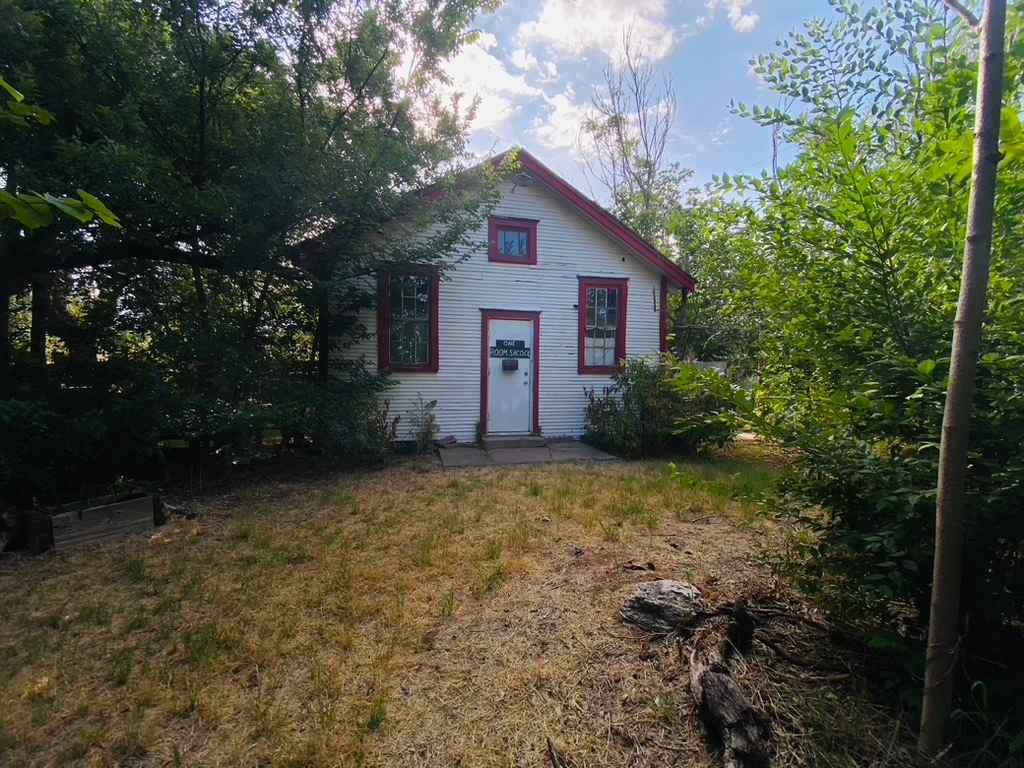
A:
548, 657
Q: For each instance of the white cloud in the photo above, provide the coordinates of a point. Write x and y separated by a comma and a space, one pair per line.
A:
559, 127
475, 72
736, 10
524, 60
572, 27
720, 136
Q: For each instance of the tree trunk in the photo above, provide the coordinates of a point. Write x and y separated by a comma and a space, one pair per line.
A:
202, 299
40, 317
940, 660
323, 337
682, 317
5, 332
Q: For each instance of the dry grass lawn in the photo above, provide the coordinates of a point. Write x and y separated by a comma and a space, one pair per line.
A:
407, 617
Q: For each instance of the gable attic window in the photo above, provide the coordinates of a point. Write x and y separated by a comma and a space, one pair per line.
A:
407, 323
512, 241
602, 334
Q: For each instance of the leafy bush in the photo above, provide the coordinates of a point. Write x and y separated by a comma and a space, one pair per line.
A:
870, 461
99, 422
653, 409
847, 281
423, 423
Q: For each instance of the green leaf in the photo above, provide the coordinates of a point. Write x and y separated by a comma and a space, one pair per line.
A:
69, 207
30, 211
14, 92
106, 215
40, 115
926, 368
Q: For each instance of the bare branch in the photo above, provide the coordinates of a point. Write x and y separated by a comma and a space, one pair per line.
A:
624, 141
963, 12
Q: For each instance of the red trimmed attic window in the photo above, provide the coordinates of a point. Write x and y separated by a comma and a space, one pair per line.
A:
512, 241
602, 335
407, 323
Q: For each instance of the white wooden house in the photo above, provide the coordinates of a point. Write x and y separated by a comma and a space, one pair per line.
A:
557, 292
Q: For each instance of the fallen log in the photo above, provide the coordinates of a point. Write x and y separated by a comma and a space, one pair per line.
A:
743, 730
677, 608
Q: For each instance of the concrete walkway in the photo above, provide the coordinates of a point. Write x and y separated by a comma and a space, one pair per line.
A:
561, 451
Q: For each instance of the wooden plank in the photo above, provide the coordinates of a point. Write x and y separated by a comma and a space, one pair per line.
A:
106, 521
100, 533
135, 508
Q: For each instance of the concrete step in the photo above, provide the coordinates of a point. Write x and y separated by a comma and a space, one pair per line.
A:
513, 441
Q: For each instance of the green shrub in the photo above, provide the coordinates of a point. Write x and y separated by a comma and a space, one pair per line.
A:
869, 459
653, 409
95, 424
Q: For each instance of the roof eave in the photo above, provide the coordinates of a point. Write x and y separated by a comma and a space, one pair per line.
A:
606, 221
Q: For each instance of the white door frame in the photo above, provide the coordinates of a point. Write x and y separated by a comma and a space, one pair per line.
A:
486, 315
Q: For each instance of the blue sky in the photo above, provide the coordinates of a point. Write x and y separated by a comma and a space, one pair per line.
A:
537, 62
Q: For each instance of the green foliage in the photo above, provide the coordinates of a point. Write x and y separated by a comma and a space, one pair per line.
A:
712, 238
705, 414
35, 210
80, 436
264, 161
653, 409
845, 272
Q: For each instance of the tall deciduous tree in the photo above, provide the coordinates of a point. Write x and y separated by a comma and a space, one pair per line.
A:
947, 574
264, 159
625, 140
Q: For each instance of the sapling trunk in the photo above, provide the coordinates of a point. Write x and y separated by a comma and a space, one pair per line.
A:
941, 655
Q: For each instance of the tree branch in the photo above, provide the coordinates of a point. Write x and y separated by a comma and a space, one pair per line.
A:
963, 12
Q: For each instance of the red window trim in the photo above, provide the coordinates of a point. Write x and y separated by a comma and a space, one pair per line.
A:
486, 315
494, 223
622, 284
384, 364
663, 317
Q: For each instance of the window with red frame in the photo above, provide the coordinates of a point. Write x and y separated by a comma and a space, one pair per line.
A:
602, 342
512, 241
407, 327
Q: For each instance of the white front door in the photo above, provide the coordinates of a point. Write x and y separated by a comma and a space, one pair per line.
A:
511, 350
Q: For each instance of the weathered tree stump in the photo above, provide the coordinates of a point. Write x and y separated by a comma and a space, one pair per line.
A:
664, 606
743, 730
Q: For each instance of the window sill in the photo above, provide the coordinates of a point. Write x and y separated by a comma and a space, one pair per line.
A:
517, 262
410, 369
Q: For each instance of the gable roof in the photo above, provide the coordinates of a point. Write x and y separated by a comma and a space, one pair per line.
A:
610, 224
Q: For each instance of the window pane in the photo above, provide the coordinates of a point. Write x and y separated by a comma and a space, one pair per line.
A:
410, 320
599, 343
514, 244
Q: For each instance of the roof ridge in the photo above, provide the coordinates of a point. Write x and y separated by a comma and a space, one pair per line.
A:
601, 216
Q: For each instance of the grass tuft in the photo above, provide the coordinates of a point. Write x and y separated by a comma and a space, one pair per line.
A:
378, 714
135, 570
121, 666
493, 549
204, 644
426, 549
493, 578
448, 606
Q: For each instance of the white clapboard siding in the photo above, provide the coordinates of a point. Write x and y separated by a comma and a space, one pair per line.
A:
569, 246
